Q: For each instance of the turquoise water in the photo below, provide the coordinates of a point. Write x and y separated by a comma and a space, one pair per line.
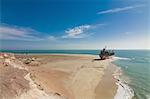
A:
136, 70
135, 66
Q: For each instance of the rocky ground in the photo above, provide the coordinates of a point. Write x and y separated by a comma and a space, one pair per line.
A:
16, 81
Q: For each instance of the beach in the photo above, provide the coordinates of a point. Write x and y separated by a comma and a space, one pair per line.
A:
75, 49
56, 76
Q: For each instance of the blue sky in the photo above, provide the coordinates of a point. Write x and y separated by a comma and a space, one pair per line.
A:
74, 24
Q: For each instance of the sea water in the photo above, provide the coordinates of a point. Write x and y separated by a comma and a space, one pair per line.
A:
135, 65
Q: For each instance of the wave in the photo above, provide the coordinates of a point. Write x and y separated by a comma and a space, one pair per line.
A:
148, 96
123, 91
121, 58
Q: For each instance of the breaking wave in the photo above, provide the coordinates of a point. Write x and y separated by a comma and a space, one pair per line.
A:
123, 91
121, 58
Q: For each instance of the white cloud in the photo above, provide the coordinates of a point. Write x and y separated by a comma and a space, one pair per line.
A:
77, 32
82, 31
128, 33
11, 32
8, 32
53, 38
115, 10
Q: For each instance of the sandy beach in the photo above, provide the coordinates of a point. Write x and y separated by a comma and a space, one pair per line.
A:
57, 76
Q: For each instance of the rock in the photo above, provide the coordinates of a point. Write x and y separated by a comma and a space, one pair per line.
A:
58, 94
39, 87
33, 59
34, 63
13, 57
27, 61
6, 64
1, 57
6, 55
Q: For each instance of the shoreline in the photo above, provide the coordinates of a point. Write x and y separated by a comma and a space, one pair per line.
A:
77, 76
123, 91
106, 85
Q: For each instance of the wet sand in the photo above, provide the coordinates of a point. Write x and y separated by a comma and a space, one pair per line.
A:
106, 87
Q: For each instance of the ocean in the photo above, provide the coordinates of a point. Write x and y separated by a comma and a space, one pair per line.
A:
135, 66
136, 71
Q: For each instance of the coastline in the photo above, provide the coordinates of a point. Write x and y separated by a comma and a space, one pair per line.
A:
107, 85
65, 75
123, 90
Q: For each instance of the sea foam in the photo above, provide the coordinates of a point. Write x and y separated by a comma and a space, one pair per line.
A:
121, 58
123, 91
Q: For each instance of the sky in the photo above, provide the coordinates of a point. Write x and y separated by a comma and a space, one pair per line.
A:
74, 24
